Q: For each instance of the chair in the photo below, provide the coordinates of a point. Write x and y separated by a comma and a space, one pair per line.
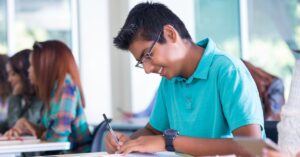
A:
97, 143
271, 130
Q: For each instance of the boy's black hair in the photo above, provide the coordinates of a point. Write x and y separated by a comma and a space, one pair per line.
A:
147, 21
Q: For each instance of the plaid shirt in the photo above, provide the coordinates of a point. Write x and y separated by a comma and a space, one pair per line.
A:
65, 120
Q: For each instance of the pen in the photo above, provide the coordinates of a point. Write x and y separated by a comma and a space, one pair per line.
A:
111, 130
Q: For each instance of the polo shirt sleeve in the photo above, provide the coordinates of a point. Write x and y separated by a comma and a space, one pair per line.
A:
239, 96
159, 117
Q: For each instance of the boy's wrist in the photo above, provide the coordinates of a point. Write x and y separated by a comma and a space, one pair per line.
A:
169, 136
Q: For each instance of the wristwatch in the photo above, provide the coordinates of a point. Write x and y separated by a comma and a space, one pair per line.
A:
170, 135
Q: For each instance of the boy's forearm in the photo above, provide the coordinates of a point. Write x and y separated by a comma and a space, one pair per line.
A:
208, 147
147, 130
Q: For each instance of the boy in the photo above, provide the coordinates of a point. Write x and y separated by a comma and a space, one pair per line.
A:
204, 98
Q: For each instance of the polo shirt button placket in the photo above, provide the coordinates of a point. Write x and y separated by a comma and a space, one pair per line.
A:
189, 103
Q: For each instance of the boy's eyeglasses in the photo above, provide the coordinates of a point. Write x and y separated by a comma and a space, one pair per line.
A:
147, 56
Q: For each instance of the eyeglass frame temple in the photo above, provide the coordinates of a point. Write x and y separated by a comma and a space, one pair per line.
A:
149, 52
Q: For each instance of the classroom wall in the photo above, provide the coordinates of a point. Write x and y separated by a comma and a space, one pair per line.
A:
94, 49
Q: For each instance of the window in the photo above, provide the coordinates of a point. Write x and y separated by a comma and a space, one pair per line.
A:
24, 21
41, 20
272, 23
3, 30
220, 21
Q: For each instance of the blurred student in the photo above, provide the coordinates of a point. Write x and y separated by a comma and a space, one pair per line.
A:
5, 88
142, 114
205, 97
23, 103
54, 72
271, 91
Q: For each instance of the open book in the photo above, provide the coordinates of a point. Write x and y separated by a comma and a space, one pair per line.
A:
22, 139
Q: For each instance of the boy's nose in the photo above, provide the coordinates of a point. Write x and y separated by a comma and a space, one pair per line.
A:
148, 67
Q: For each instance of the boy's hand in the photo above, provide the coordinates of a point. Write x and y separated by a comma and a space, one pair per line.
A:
22, 126
111, 145
144, 144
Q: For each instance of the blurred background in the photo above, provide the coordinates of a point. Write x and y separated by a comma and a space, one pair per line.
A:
262, 32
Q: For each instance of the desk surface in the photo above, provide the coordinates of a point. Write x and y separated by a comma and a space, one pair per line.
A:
33, 147
104, 154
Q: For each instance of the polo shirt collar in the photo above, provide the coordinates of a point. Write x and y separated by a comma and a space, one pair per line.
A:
203, 67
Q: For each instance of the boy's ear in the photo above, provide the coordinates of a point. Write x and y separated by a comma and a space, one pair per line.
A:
170, 33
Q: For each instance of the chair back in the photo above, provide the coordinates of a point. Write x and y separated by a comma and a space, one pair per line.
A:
97, 143
271, 130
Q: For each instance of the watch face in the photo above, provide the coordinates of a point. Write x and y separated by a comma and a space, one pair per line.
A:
169, 136
171, 132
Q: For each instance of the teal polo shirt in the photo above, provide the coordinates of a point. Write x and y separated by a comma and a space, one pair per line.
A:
219, 97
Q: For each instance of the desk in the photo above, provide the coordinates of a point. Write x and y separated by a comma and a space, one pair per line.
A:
104, 154
17, 149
